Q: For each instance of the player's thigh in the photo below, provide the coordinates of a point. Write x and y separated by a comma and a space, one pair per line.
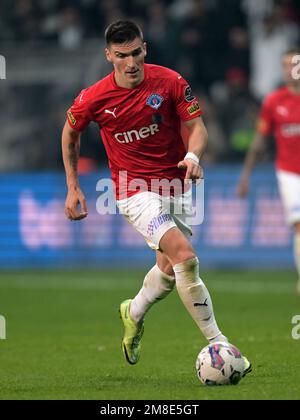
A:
297, 228
148, 215
289, 188
176, 247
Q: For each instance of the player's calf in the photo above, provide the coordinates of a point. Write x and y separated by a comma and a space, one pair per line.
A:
196, 299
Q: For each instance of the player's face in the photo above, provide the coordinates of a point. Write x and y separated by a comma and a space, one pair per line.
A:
128, 61
288, 67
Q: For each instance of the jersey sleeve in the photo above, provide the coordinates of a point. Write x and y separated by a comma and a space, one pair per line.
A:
265, 125
79, 115
187, 105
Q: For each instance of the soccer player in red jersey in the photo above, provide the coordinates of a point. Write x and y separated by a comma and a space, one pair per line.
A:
280, 115
139, 109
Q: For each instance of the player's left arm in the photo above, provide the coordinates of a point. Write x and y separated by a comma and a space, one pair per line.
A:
197, 142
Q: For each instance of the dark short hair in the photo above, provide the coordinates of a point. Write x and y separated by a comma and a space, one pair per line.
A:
293, 51
122, 31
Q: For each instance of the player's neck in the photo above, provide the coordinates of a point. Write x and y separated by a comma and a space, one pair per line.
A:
126, 84
294, 88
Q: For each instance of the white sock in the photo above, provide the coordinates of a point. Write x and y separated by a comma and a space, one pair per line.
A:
157, 285
196, 299
297, 252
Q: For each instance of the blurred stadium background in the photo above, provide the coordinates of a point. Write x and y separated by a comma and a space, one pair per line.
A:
229, 50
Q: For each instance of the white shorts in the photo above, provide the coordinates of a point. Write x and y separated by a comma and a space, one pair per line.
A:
153, 215
289, 187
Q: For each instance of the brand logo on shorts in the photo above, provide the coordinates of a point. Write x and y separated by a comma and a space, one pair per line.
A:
156, 222
155, 100
132, 135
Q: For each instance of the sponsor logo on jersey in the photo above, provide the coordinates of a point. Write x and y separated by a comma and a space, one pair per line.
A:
107, 111
71, 117
188, 94
291, 130
193, 109
155, 100
133, 135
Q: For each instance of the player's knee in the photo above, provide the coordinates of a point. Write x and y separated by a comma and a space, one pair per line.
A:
177, 247
166, 268
185, 252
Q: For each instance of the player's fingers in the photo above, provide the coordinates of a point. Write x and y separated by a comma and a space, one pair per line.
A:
83, 206
201, 172
196, 172
72, 213
242, 193
242, 189
182, 165
81, 216
193, 172
77, 216
68, 211
188, 176
68, 214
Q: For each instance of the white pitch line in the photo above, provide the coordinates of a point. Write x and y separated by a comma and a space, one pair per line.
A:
225, 286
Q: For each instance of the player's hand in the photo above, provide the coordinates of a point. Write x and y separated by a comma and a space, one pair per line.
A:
194, 171
243, 187
74, 199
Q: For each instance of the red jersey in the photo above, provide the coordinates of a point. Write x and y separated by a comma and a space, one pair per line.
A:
140, 127
280, 115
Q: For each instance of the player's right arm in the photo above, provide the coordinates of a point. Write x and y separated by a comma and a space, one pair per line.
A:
255, 152
265, 129
70, 151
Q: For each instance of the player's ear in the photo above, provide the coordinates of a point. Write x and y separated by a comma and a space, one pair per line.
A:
145, 48
108, 55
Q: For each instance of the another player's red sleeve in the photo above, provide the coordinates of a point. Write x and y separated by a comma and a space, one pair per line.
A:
187, 105
265, 125
79, 115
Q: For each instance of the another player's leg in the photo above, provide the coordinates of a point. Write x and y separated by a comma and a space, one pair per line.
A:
297, 253
289, 187
157, 285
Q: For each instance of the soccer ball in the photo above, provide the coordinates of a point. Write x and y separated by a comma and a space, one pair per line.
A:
220, 364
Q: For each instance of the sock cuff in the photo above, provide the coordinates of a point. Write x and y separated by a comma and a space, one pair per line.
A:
186, 265
164, 275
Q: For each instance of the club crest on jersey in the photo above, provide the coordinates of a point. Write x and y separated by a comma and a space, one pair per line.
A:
155, 100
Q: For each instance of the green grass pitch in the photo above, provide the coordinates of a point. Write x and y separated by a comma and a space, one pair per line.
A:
64, 335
